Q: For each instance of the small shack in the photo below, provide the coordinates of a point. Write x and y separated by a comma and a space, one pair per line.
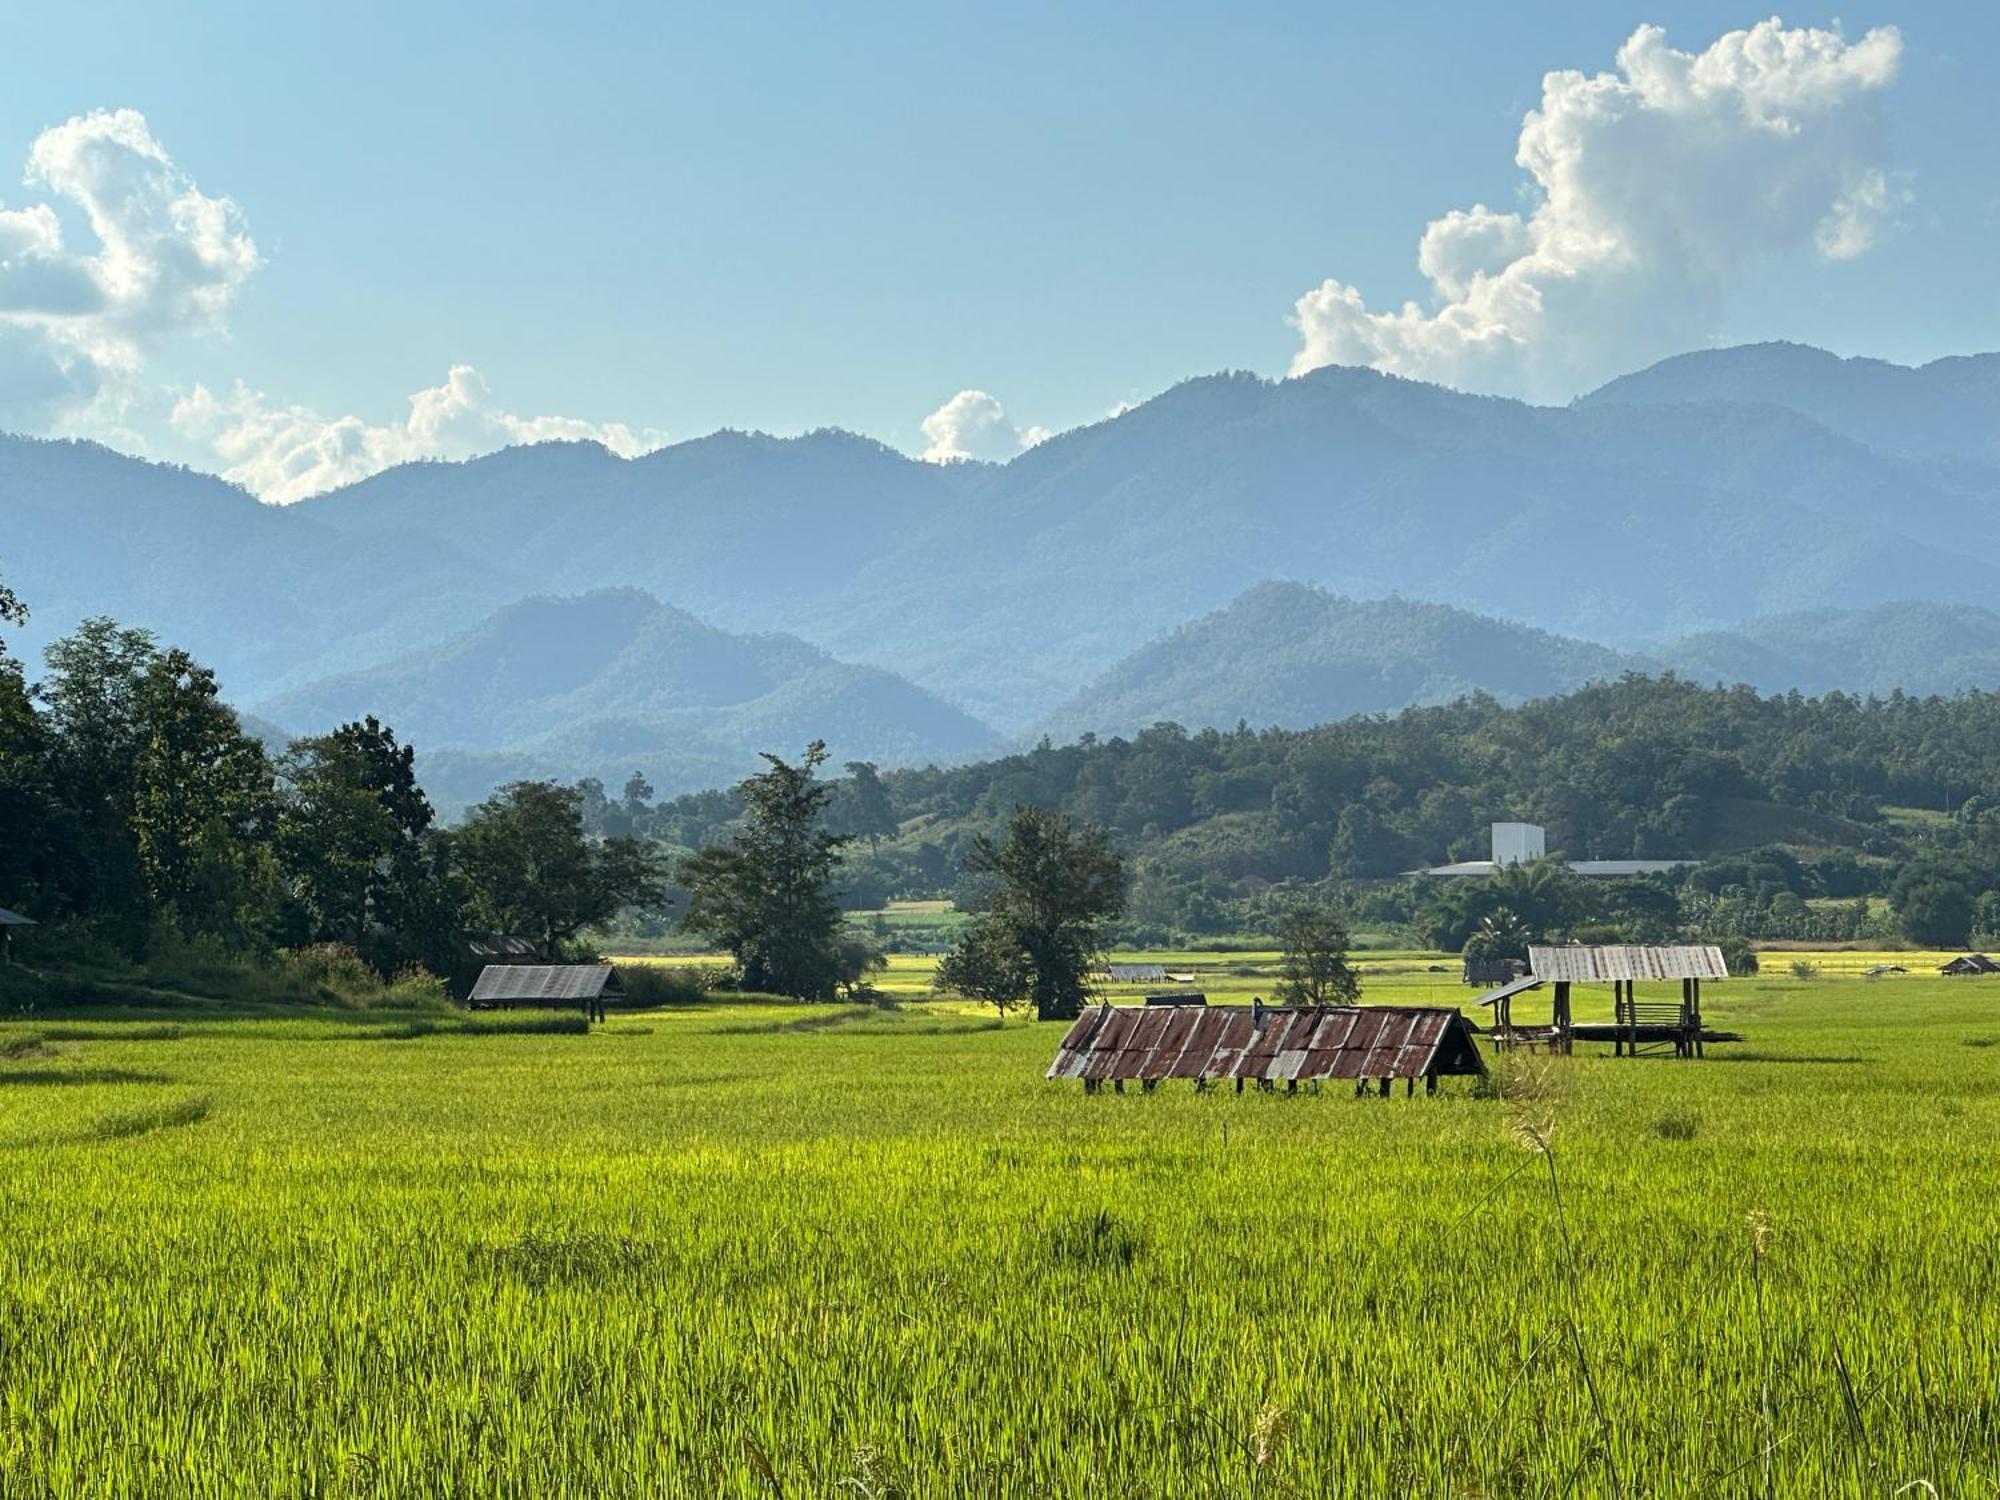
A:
1970, 964
1135, 973
1268, 1044
1636, 1026
9, 920
546, 987
1178, 997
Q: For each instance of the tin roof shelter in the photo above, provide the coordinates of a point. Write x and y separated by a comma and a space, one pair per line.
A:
550, 985
1970, 963
1267, 1044
10, 919
1636, 1025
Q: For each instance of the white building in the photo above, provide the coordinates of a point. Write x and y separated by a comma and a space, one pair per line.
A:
1519, 843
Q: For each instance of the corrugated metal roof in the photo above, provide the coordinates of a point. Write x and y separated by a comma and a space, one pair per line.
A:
565, 983
1266, 1042
15, 919
1136, 973
1580, 965
1512, 987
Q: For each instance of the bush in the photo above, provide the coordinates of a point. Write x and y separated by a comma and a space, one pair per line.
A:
1677, 1125
1738, 957
660, 984
1804, 968
330, 971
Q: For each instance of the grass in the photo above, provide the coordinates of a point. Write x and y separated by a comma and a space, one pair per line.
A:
710, 1251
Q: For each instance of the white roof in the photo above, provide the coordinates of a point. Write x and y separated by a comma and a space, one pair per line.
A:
559, 982
14, 919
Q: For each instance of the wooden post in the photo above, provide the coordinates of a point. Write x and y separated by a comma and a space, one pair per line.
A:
1695, 999
1563, 1040
1430, 1083
1385, 1088
1410, 1087
1118, 1085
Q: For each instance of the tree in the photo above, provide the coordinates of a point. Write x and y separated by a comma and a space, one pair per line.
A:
529, 869
767, 896
1315, 970
1055, 887
861, 805
203, 806
1935, 909
12, 612
351, 832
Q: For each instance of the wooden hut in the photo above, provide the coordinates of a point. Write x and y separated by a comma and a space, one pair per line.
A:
1636, 1026
546, 987
1969, 965
1268, 1044
9, 920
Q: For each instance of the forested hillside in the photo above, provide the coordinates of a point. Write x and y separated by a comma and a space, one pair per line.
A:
1836, 797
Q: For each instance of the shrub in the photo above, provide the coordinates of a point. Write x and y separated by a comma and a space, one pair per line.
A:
417, 988
1804, 968
661, 984
1738, 957
330, 971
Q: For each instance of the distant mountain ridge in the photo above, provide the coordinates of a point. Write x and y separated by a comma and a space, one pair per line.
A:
1947, 409
1290, 656
1687, 500
614, 681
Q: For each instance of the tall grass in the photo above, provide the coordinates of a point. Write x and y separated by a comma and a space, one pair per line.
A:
886, 1257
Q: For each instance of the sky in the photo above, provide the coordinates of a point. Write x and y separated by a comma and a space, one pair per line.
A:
295, 244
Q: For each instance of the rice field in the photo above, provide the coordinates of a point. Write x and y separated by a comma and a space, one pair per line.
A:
765, 1250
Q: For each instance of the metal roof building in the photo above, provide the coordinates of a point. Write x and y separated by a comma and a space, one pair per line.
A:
1267, 1044
1629, 961
11, 919
586, 985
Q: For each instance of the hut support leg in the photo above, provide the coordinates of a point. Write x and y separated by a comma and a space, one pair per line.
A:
1410, 1087
1239, 1085
1118, 1085
1385, 1088
1430, 1085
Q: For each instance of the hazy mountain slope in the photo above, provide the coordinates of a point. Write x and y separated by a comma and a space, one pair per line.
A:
264, 595
1006, 589
1615, 522
738, 527
1949, 408
1290, 655
1918, 647
600, 684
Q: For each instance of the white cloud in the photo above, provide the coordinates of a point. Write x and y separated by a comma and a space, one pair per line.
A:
285, 453
974, 425
78, 321
1655, 188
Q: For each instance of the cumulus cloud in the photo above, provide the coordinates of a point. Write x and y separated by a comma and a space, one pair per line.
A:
974, 425
285, 453
1655, 189
77, 321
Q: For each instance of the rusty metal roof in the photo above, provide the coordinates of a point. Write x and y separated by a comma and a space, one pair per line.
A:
1274, 1042
559, 983
1580, 965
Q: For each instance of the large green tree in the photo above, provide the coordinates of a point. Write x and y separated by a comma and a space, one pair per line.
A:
767, 895
529, 869
1053, 888
203, 807
351, 833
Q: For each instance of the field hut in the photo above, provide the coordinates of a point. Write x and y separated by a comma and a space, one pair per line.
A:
1135, 973
1969, 965
1637, 1026
1268, 1044
546, 987
9, 920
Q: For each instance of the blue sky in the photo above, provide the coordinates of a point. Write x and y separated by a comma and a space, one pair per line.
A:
788, 217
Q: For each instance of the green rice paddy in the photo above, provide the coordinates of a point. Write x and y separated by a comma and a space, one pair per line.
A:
761, 1250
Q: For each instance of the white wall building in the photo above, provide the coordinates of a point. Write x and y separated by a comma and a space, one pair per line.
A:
1519, 843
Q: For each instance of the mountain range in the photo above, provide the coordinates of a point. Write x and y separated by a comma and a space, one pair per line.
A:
1705, 514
